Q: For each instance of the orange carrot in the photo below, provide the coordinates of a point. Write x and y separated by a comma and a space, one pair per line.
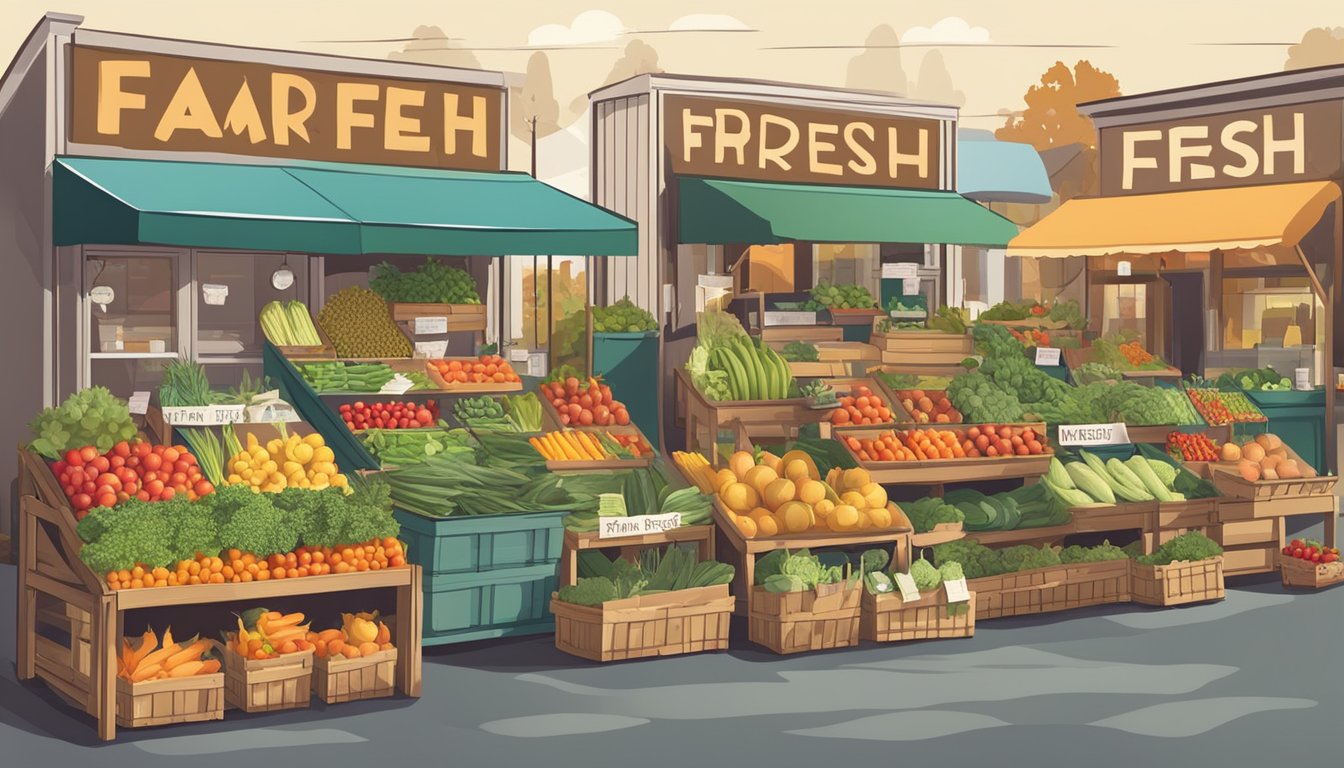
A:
145, 672
190, 653
187, 669
210, 667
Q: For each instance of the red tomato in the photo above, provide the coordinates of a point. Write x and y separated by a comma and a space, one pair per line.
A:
141, 449
622, 417
81, 500
170, 455
152, 462
424, 416
178, 478
88, 453
154, 487
73, 458
167, 494
122, 449
108, 499
403, 422
109, 480
345, 408
142, 495
101, 463
203, 487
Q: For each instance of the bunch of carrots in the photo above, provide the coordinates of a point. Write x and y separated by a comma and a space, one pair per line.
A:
275, 634
155, 661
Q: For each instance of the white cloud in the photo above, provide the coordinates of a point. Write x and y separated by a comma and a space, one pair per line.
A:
705, 22
952, 29
587, 27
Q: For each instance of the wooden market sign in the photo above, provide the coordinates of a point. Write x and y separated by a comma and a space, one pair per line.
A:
1262, 146
722, 138
173, 103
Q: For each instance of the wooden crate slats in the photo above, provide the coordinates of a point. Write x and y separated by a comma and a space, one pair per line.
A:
885, 618
684, 621
1305, 574
175, 700
338, 679
1178, 583
820, 619
1050, 589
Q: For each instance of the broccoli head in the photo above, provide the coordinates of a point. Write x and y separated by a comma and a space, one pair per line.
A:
591, 591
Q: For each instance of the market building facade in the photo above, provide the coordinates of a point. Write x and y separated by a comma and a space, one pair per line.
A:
1217, 234
160, 192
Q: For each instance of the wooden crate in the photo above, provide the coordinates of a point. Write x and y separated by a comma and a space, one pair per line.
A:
886, 618
704, 418
1232, 509
856, 316
808, 333
644, 459
472, 388
267, 685
1040, 323
922, 348
816, 620
1304, 574
818, 370
461, 318
174, 700
1054, 588
666, 624
337, 679
702, 536
52, 577
941, 534
1230, 483
317, 353
1178, 583
931, 472
1242, 561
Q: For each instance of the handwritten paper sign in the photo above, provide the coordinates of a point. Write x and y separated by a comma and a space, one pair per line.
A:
397, 386
1093, 434
139, 402
906, 583
203, 415
640, 525
431, 350
425, 326
957, 592
1047, 356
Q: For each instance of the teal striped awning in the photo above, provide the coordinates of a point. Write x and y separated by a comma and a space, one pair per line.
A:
327, 208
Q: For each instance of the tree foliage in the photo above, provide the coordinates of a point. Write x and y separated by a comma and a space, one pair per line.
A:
1051, 118
1320, 47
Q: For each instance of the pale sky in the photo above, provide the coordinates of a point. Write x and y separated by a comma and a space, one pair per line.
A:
1147, 44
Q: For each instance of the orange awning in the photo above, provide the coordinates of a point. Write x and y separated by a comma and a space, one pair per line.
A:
1194, 221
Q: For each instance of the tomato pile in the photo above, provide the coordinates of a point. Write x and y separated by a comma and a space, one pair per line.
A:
1192, 447
141, 470
585, 405
929, 444
1031, 337
861, 406
1311, 551
393, 415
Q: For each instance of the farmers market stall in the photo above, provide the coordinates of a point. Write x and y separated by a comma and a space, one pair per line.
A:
795, 243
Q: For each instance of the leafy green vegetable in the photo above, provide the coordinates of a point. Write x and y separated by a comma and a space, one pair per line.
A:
1024, 557
977, 560
675, 568
623, 316
828, 295
928, 512
430, 283
1099, 553
89, 417
926, 576
948, 320
1191, 546
800, 352
784, 571
874, 560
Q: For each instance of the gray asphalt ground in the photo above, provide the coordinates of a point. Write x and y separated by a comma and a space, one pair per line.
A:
1244, 682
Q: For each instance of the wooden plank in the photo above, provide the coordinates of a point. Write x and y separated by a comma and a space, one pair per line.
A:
26, 619
131, 599
69, 594
106, 636
408, 626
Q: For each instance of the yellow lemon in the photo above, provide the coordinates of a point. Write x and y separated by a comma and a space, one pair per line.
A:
796, 470
855, 478
797, 516
741, 463
880, 517
746, 526
823, 508
779, 493
724, 478
854, 499
767, 525
739, 497
875, 495
770, 460
845, 516
811, 492
759, 477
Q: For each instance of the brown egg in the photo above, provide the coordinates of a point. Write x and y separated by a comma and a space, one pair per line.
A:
1253, 452
1249, 470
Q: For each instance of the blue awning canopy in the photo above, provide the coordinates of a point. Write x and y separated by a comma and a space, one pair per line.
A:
991, 171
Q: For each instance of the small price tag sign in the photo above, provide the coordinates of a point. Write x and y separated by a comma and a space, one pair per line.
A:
397, 386
900, 271
910, 286
425, 326
431, 350
906, 583
1085, 435
640, 525
139, 402
957, 591
1047, 356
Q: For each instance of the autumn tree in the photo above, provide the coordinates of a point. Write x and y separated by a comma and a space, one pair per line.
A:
1320, 47
534, 99
878, 68
639, 58
1052, 119
431, 45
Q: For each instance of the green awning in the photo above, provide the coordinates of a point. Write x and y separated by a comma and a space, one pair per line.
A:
327, 208
715, 211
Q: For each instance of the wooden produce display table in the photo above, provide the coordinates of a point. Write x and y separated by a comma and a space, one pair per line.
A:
700, 535
54, 581
704, 418
916, 349
1157, 435
730, 539
938, 472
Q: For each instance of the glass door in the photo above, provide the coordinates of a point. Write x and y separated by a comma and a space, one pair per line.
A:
133, 318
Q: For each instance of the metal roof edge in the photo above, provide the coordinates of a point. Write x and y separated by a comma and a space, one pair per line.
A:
1330, 76
49, 26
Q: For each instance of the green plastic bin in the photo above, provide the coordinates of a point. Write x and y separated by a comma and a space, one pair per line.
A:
628, 363
485, 577
1298, 418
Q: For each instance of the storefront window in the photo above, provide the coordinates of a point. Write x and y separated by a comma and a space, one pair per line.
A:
124, 376
1268, 312
230, 329
975, 276
1124, 308
856, 263
139, 316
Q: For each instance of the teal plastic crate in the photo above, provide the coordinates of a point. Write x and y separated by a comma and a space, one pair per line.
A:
474, 544
628, 363
480, 606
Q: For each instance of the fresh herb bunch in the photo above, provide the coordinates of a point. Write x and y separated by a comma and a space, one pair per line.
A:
91, 416
819, 392
430, 283
1102, 552
1191, 546
185, 384
800, 352
623, 316
829, 295
670, 570
799, 571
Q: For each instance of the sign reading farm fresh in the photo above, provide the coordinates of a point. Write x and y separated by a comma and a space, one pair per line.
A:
1283, 144
156, 102
772, 142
